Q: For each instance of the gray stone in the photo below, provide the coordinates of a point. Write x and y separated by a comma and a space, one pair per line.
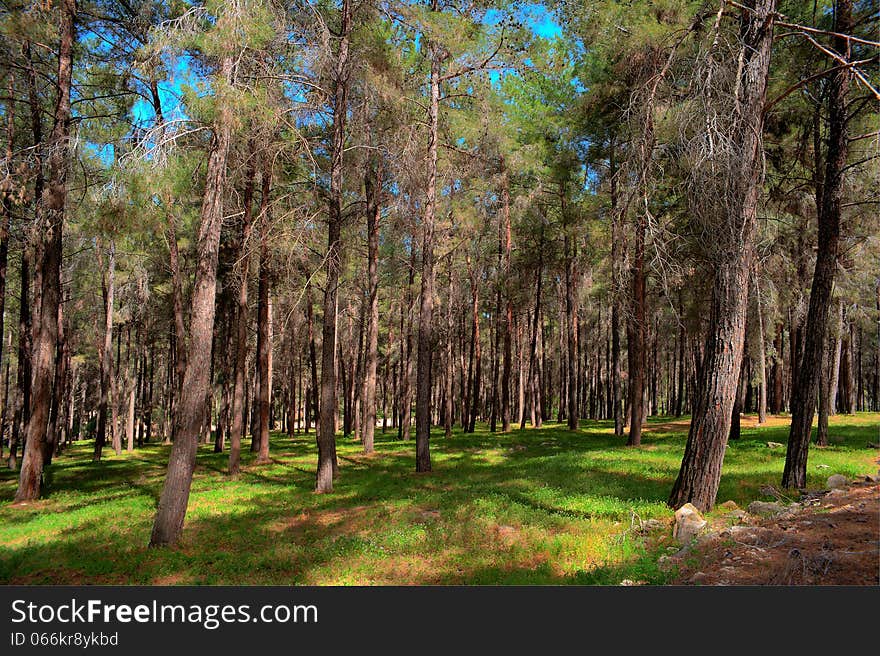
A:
729, 505
699, 578
738, 515
873, 478
688, 524
837, 482
649, 525
766, 508
774, 445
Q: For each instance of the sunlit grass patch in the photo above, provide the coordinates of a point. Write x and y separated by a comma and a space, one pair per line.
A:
532, 507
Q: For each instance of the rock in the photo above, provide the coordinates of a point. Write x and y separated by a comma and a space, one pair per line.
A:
836, 492
649, 525
766, 508
738, 515
837, 482
699, 577
729, 505
688, 524
774, 445
823, 466
873, 478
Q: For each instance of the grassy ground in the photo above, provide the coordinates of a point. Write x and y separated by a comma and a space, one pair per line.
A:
531, 507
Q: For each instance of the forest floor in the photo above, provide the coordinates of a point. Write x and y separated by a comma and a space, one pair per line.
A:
833, 540
538, 506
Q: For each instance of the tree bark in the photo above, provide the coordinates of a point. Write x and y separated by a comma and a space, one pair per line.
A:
173, 501
264, 341
426, 307
326, 438
762, 358
373, 193
51, 223
700, 472
571, 331
239, 385
636, 337
804, 397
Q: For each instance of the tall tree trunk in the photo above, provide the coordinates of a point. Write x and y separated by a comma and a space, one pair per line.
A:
834, 364
105, 349
173, 501
533, 349
264, 340
326, 438
239, 385
373, 193
6, 194
50, 215
508, 316
762, 357
700, 472
636, 337
804, 397
617, 387
776, 373
477, 350
426, 307
449, 383
571, 322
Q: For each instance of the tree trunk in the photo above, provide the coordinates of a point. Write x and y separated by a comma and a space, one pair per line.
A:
448, 413
327, 463
477, 350
572, 331
373, 193
636, 337
264, 341
508, 317
426, 308
168, 524
700, 472
239, 385
6, 196
51, 224
762, 357
804, 397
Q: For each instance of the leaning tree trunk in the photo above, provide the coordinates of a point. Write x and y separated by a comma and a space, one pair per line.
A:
168, 524
700, 472
804, 396
51, 223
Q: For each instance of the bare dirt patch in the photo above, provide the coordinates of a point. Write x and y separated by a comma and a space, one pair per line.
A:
833, 541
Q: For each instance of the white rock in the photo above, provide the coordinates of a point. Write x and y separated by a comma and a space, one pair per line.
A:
688, 524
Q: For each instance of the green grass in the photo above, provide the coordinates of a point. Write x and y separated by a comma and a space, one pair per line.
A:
540, 506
